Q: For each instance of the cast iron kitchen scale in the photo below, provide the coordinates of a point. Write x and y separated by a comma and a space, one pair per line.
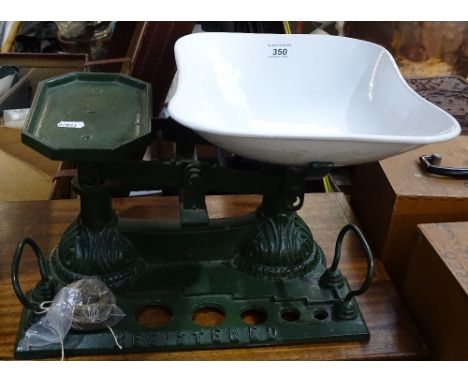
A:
266, 263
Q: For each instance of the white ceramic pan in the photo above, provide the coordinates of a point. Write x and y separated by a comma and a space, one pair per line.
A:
295, 99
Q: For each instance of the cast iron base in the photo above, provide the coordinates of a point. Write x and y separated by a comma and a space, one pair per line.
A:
316, 322
291, 309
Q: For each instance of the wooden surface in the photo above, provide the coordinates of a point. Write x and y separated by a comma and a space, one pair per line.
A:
153, 60
22, 181
403, 195
436, 287
10, 142
393, 333
408, 179
7, 46
45, 65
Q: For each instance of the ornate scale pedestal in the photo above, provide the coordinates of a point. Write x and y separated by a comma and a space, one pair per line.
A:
265, 266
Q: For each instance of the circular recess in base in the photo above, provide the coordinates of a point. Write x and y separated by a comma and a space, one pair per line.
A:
208, 315
320, 314
154, 316
253, 316
290, 314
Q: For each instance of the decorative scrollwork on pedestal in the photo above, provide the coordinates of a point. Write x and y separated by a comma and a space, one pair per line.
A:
280, 246
102, 252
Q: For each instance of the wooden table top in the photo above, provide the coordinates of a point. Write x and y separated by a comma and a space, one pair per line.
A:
10, 142
23, 181
392, 331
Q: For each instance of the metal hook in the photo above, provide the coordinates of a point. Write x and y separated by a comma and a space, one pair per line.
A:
45, 281
370, 260
333, 278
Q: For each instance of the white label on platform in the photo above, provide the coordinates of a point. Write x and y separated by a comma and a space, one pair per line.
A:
71, 124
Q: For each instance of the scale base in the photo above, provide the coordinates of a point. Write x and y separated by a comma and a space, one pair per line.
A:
241, 308
278, 319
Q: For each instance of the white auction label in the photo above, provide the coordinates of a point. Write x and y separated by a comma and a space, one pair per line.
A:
71, 124
279, 50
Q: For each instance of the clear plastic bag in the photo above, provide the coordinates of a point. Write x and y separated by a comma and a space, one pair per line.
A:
86, 304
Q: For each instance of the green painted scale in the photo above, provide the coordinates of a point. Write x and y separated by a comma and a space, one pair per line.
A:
266, 261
